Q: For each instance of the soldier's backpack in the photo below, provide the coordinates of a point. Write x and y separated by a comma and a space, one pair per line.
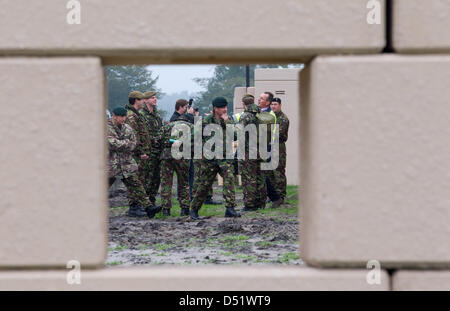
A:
268, 119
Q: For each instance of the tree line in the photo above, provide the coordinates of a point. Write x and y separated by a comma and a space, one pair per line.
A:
123, 79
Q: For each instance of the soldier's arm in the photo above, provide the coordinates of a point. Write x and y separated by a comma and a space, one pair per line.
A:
132, 122
117, 144
284, 128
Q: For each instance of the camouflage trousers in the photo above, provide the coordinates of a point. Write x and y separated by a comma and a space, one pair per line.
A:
253, 183
208, 172
197, 166
277, 176
149, 174
181, 168
135, 190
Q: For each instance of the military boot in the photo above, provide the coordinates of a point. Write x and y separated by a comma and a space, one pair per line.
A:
249, 209
152, 210
136, 211
230, 212
277, 203
166, 212
184, 212
194, 214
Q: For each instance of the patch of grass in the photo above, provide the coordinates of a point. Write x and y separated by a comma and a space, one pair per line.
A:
245, 257
162, 246
213, 260
230, 238
120, 247
289, 256
233, 241
162, 254
143, 247
226, 253
114, 263
264, 244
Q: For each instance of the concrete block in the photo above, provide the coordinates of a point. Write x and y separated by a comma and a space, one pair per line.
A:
204, 31
374, 161
405, 280
195, 279
53, 204
421, 26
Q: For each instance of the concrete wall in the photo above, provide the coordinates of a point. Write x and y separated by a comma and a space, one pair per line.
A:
374, 134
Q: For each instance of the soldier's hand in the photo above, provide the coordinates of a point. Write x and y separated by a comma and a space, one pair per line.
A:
224, 117
144, 157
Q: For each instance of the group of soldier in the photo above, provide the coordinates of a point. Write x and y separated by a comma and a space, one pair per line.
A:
141, 154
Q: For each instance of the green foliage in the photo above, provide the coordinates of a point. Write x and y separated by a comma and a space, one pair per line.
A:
123, 79
287, 257
120, 247
162, 246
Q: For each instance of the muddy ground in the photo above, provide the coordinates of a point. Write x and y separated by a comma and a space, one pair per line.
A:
263, 237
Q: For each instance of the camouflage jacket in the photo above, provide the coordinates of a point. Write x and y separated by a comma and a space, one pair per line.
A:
121, 143
154, 123
283, 123
167, 135
142, 132
249, 117
211, 120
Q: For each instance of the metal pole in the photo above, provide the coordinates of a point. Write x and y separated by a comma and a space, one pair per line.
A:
247, 75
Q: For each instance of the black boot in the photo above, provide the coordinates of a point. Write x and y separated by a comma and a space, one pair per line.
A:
277, 203
152, 210
194, 214
184, 212
230, 212
166, 212
210, 201
136, 211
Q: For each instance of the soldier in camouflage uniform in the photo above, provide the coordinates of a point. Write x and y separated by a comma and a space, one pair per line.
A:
210, 168
253, 181
121, 143
142, 132
209, 199
278, 178
154, 123
169, 165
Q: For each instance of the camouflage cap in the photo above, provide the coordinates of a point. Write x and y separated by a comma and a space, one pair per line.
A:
149, 94
136, 94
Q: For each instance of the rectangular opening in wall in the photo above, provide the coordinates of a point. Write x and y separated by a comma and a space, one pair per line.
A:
260, 235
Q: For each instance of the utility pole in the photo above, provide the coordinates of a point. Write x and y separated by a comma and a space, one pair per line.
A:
247, 76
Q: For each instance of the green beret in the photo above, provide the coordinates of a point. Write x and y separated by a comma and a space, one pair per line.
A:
136, 94
120, 111
149, 94
219, 102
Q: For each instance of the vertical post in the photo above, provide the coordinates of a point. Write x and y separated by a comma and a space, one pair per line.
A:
247, 76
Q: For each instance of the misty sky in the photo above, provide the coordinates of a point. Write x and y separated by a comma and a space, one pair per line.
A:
178, 78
